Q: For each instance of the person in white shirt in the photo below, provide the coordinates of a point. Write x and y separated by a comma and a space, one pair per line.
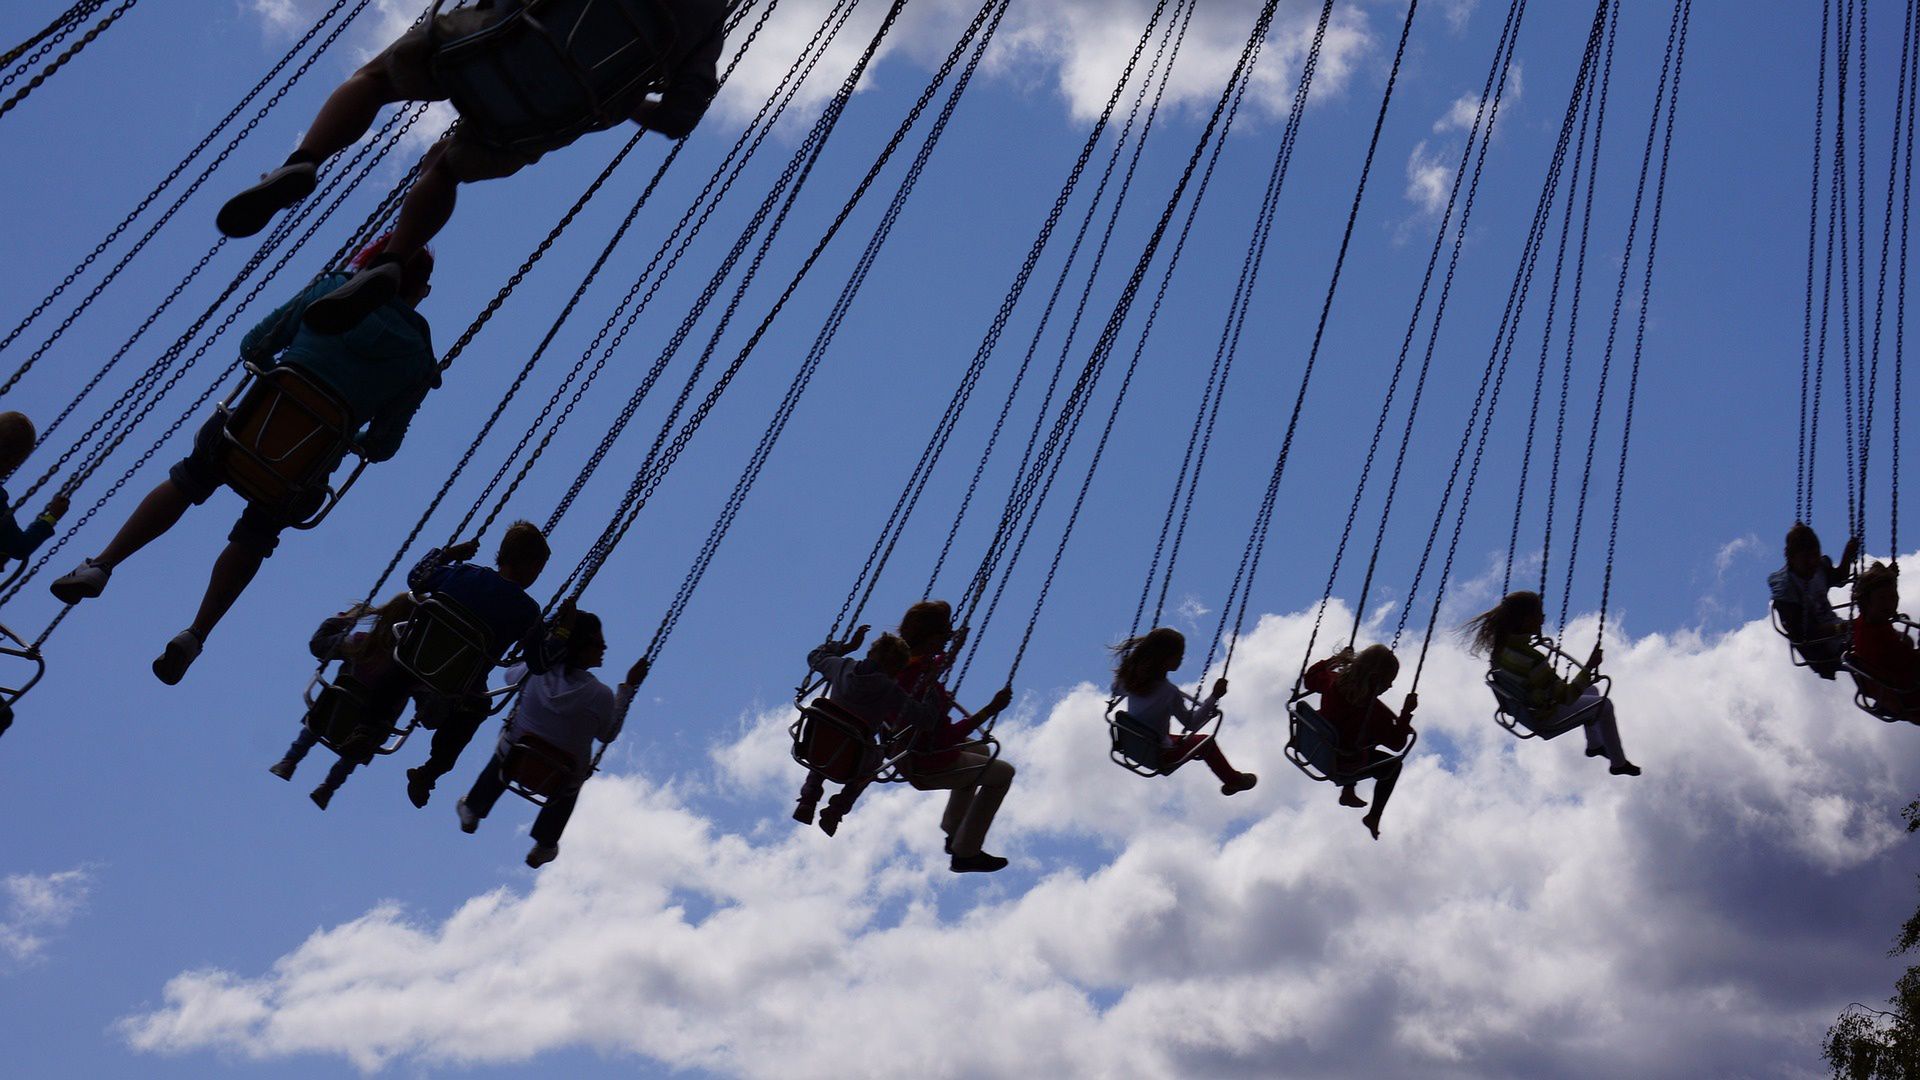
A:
1152, 699
564, 709
1801, 597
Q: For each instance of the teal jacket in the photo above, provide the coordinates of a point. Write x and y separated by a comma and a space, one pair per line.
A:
382, 369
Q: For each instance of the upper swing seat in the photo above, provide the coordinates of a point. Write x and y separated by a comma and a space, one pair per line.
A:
13, 645
1517, 715
282, 435
1314, 748
1136, 747
546, 72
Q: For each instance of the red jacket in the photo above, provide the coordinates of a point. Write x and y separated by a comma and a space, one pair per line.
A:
1888, 656
921, 680
1359, 728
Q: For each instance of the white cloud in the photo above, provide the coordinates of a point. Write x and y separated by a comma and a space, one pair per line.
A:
1524, 914
37, 906
1430, 171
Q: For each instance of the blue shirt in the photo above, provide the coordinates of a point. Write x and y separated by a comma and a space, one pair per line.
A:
382, 369
509, 614
16, 542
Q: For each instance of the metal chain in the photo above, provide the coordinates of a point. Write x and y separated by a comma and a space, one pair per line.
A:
60, 61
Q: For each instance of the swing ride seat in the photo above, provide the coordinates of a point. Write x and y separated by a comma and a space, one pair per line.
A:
1136, 747
548, 71
1878, 698
832, 741
445, 647
17, 647
907, 766
335, 715
282, 435
1517, 716
1838, 643
538, 771
1313, 748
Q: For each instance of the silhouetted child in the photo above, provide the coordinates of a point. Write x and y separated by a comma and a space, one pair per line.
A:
1153, 700
361, 639
381, 372
562, 710
1801, 596
1350, 686
1883, 649
17, 440
870, 690
498, 598
406, 71
1507, 634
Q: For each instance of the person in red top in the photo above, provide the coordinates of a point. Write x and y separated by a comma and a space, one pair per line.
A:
1350, 686
1880, 648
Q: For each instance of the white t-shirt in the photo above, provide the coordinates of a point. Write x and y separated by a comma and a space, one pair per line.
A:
1159, 705
568, 709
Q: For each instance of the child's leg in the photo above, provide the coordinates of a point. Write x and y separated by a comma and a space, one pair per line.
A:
1382, 791
161, 510
233, 571
302, 743
428, 206
553, 817
487, 788
1603, 734
1215, 759
349, 112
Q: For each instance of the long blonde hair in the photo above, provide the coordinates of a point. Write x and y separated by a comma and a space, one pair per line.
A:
379, 640
1145, 660
1367, 675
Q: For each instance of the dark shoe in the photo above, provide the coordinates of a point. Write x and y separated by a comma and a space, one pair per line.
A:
172, 663
365, 293
1246, 780
469, 821
1596, 751
830, 821
1625, 768
803, 811
321, 796
1349, 798
949, 844
982, 863
419, 788
542, 854
283, 768
250, 211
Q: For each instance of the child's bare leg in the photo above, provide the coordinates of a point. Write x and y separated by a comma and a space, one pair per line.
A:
159, 511
428, 206
348, 113
233, 571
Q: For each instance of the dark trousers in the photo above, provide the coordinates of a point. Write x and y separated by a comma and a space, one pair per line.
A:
454, 727
547, 826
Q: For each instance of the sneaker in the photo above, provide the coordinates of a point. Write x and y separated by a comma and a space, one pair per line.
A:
830, 821
283, 768
321, 796
949, 844
6, 716
419, 788
172, 663
542, 854
365, 293
248, 212
1245, 781
981, 863
803, 811
1596, 751
85, 583
469, 821
1625, 768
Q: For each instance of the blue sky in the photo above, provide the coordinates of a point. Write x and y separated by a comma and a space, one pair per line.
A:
190, 858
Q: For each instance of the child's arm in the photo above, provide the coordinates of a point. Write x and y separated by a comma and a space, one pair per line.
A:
425, 572
275, 332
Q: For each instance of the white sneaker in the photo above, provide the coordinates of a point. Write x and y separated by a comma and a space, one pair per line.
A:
85, 583
542, 854
469, 821
172, 663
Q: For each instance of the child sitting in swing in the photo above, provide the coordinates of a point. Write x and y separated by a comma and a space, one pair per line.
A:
17, 439
1888, 656
1350, 685
1152, 699
870, 690
361, 638
1801, 592
1506, 635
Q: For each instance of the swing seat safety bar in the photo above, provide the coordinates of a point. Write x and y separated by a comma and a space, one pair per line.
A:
1313, 748
335, 713
282, 436
1136, 747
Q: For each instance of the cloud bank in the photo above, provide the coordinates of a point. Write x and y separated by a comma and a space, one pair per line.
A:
1524, 914
35, 907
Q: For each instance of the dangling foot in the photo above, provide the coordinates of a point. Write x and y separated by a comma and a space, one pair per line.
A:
980, 863
342, 309
250, 211
1348, 797
6, 716
419, 788
85, 583
1244, 781
803, 811
469, 821
172, 663
1373, 825
542, 854
283, 768
830, 820
1625, 768
321, 796
949, 844
1596, 751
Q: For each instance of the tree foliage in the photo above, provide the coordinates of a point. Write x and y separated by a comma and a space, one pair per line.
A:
1875, 1044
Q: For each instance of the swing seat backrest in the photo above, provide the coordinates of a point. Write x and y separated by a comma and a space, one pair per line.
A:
1311, 742
1510, 692
284, 438
548, 71
1873, 696
445, 647
1136, 741
834, 742
538, 770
